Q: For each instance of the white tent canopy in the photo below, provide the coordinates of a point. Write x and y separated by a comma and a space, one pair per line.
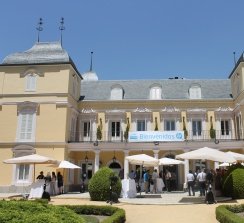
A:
206, 153
142, 159
168, 161
237, 156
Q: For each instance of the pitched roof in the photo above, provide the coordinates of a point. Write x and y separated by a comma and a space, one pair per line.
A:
171, 89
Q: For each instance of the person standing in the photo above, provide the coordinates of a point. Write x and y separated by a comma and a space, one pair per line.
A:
53, 184
60, 183
132, 175
146, 181
154, 179
168, 179
201, 177
190, 183
40, 176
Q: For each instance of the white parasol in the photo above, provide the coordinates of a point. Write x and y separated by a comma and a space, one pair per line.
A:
168, 161
206, 153
237, 156
142, 159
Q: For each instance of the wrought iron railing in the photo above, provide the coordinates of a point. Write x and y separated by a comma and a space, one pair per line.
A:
191, 136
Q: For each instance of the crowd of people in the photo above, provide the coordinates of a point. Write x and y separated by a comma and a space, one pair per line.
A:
208, 182
150, 179
53, 182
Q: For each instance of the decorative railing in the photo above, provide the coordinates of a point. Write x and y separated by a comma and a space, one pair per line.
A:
191, 136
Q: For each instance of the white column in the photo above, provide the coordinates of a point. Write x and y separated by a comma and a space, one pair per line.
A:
155, 152
97, 152
126, 164
186, 169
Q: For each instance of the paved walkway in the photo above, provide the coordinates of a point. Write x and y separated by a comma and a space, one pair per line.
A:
167, 198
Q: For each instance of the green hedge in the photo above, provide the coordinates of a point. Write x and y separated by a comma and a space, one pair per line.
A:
233, 184
39, 212
117, 215
99, 185
226, 213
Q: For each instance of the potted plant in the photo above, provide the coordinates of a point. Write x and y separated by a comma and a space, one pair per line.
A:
184, 129
126, 133
99, 130
212, 131
156, 124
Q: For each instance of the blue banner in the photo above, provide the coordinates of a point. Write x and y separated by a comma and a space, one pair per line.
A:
156, 136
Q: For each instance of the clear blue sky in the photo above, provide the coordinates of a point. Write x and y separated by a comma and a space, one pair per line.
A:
133, 39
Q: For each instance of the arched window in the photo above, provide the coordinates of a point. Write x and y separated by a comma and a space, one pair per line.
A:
155, 92
117, 93
195, 92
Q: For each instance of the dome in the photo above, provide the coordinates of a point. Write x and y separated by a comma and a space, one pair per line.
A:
41, 52
90, 76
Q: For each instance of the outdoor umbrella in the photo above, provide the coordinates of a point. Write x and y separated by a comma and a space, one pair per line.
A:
64, 164
168, 161
225, 164
206, 153
237, 156
142, 159
31, 159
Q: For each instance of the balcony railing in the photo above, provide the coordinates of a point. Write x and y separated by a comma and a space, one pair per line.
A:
192, 136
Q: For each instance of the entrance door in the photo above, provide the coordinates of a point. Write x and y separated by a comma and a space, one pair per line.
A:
115, 167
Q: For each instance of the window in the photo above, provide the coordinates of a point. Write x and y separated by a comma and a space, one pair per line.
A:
155, 93
23, 171
197, 127
86, 129
169, 125
141, 125
195, 92
225, 130
26, 126
117, 93
31, 82
115, 128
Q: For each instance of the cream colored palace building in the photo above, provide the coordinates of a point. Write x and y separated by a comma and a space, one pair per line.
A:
49, 108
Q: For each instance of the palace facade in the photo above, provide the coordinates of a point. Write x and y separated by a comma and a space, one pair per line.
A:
49, 108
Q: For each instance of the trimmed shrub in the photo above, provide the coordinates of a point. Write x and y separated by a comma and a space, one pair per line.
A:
226, 213
99, 185
233, 182
117, 215
31, 211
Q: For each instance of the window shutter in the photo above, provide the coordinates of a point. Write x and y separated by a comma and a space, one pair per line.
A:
26, 127
31, 82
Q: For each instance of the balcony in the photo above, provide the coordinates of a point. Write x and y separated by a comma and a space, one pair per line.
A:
196, 136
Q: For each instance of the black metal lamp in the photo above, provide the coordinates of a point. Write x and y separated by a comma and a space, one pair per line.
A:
114, 158
86, 158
